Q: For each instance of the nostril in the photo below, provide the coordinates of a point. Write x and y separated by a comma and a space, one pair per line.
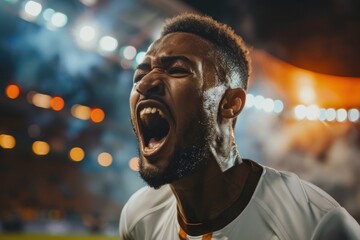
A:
150, 88
157, 89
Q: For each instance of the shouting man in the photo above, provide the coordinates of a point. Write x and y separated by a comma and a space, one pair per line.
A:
186, 97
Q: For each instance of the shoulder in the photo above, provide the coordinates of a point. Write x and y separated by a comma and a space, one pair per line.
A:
337, 224
292, 206
142, 205
289, 185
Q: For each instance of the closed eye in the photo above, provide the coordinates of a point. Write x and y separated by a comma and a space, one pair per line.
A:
178, 72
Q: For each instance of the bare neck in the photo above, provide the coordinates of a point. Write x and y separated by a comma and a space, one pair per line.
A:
204, 195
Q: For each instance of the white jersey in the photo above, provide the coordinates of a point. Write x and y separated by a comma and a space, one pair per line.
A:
282, 207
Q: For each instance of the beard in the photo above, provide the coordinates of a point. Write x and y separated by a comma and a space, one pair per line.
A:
186, 159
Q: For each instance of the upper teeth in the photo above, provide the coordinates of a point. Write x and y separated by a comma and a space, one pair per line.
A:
150, 110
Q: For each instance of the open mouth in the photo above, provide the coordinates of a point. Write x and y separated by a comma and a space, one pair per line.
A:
154, 128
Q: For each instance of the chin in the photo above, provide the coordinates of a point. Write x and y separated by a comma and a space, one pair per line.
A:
182, 163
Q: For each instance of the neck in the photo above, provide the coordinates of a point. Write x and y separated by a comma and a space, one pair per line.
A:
204, 195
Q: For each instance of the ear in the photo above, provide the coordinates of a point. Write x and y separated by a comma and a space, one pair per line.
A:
232, 102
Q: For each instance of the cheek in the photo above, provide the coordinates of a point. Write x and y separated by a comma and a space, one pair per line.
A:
134, 96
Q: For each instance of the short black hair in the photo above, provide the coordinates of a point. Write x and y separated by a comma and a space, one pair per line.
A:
233, 54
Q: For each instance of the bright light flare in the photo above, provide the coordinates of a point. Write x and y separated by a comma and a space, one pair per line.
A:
40, 148
7, 141
12, 91
105, 159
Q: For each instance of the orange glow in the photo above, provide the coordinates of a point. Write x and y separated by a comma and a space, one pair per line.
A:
7, 141
12, 91
57, 103
77, 154
134, 164
80, 112
40, 148
306, 87
97, 115
105, 159
41, 100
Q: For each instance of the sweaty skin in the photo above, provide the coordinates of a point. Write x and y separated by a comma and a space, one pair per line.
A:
175, 75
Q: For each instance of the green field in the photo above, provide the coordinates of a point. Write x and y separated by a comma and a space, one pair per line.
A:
54, 237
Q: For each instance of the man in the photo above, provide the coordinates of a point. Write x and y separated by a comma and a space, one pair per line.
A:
186, 96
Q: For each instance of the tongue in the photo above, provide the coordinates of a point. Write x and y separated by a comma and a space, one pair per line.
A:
153, 143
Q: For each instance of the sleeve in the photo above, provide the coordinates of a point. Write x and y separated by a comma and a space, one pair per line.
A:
337, 224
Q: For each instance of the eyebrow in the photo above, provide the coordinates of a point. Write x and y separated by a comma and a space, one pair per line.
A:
174, 58
165, 60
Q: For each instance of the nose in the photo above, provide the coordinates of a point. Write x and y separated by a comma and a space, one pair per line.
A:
150, 86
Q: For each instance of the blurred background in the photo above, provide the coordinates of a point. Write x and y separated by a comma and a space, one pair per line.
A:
67, 152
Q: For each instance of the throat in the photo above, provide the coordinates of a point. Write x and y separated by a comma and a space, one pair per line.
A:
210, 206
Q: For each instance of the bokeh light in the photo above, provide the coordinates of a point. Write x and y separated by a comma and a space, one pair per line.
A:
341, 115
81, 112
105, 159
134, 164
40, 100
258, 102
7, 141
48, 13
330, 114
40, 148
278, 106
97, 115
12, 91
129, 52
57, 103
312, 112
58, 19
108, 44
76, 154
300, 112
87, 33
249, 100
268, 105
32, 8
140, 57
353, 115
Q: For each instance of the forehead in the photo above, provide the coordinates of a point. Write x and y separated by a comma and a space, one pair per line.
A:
181, 44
